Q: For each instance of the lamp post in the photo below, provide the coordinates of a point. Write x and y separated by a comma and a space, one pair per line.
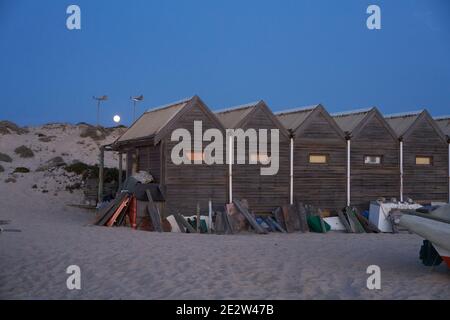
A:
99, 99
136, 99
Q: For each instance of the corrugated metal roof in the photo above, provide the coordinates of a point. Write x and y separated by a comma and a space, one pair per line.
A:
401, 122
152, 121
351, 112
187, 99
404, 114
444, 124
349, 120
230, 117
292, 118
442, 118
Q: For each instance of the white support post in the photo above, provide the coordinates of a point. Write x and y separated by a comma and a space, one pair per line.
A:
401, 171
348, 173
291, 191
448, 172
230, 167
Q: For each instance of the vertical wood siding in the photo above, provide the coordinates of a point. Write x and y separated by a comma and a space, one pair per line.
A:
372, 181
263, 193
425, 183
188, 184
321, 185
149, 160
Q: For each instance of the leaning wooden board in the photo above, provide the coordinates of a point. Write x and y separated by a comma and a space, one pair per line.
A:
367, 225
354, 223
110, 209
182, 221
153, 212
301, 211
288, 219
345, 222
119, 210
276, 224
249, 217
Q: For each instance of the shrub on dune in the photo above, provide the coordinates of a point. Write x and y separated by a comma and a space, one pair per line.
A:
21, 170
24, 152
5, 158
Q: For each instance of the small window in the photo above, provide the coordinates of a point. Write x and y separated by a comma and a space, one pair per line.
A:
372, 159
423, 160
261, 158
318, 158
195, 155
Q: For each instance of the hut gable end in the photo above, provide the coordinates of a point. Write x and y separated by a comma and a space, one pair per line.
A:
193, 111
425, 126
375, 129
319, 126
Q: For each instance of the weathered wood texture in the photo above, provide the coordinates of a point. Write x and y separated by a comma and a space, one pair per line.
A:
372, 181
263, 192
187, 184
149, 159
425, 183
320, 185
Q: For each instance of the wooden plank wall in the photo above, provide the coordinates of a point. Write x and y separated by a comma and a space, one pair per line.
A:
370, 182
321, 185
425, 183
149, 160
263, 193
188, 184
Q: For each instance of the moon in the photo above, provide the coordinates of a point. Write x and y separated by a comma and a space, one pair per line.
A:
116, 118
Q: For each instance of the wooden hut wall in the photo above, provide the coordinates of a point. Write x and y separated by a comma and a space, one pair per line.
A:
149, 159
189, 184
425, 183
372, 181
321, 185
263, 192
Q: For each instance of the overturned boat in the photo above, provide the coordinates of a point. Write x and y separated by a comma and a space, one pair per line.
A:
435, 228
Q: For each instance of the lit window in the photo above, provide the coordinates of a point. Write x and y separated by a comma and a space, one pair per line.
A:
421, 160
261, 158
196, 156
318, 158
372, 159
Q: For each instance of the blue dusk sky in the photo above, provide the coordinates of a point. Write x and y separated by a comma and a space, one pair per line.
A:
288, 53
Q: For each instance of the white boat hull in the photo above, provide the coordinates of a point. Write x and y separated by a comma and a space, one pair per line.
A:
438, 233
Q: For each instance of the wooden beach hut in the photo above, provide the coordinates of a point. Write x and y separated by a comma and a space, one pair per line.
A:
319, 157
374, 156
263, 192
147, 145
444, 124
423, 157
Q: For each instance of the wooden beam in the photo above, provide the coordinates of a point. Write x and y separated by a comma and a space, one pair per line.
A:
153, 212
120, 171
249, 217
100, 174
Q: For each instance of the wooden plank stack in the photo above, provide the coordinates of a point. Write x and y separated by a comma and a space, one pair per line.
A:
115, 212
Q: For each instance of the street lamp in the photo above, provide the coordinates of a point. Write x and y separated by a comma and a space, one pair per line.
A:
99, 99
136, 99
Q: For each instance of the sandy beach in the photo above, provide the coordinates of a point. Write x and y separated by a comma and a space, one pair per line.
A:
119, 263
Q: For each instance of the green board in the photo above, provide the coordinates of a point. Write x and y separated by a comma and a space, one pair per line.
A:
315, 224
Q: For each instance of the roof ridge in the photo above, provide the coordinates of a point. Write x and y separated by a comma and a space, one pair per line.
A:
238, 107
444, 117
352, 112
168, 105
297, 109
404, 114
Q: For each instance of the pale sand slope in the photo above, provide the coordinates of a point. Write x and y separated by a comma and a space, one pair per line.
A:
121, 263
